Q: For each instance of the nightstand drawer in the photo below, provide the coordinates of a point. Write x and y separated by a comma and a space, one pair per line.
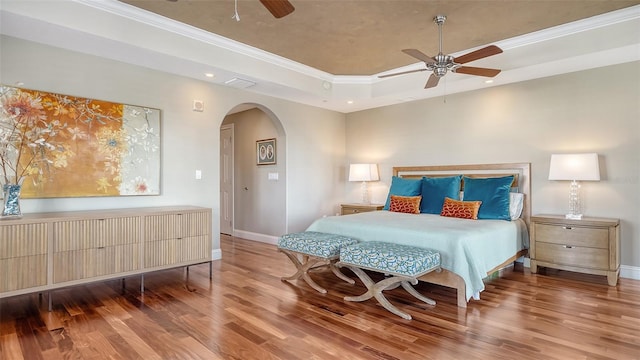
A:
584, 257
573, 235
348, 209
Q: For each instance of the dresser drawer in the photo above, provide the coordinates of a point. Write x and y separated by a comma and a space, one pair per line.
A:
176, 251
584, 257
95, 233
88, 263
23, 272
22, 240
176, 226
23, 256
573, 235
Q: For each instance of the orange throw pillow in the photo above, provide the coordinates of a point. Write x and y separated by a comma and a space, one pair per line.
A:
405, 204
460, 209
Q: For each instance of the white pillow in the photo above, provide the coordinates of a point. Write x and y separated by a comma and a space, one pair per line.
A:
516, 202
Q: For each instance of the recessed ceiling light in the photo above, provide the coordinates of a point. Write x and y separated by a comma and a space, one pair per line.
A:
349, 101
488, 81
209, 75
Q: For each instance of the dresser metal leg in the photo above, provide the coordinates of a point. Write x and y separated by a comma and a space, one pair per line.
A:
186, 281
142, 283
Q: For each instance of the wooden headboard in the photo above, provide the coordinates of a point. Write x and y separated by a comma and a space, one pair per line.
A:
521, 171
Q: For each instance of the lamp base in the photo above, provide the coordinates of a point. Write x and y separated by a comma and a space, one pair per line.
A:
573, 216
365, 193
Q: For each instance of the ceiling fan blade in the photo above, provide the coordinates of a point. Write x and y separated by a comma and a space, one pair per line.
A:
419, 55
401, 73
477, 71
278, 8
478, 54
432, 82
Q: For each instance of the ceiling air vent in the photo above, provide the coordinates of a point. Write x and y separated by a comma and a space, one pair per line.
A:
239, 83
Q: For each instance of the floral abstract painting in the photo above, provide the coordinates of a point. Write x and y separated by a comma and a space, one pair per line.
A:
66, 146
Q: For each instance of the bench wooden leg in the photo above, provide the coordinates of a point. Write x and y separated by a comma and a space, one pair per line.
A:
416, 294
339, 274
375, 290
309, 263
303, 269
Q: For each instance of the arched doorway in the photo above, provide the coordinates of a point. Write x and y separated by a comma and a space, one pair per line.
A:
252, 192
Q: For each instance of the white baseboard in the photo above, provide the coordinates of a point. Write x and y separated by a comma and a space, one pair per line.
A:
630, 272
269, 239
216, 254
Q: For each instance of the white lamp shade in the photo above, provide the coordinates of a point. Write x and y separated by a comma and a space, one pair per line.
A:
578, 167
363, 172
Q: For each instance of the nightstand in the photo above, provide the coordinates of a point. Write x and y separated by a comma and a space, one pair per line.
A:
590, 245
348, 209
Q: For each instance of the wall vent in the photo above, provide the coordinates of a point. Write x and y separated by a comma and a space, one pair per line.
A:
239, 83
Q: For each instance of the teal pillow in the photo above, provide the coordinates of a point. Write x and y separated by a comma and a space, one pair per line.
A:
403, 187
494, 194
435, 189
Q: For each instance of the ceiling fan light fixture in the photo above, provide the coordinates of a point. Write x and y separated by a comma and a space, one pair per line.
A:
439, 19
440, 71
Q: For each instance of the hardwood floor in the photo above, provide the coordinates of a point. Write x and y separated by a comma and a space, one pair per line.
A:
246, 312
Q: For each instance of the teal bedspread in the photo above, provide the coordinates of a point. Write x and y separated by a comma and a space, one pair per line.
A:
469, 248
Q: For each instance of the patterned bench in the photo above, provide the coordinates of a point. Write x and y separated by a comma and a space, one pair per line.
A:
316, 249
403, 263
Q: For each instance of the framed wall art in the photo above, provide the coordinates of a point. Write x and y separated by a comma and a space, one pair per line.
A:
67, 146
266, 152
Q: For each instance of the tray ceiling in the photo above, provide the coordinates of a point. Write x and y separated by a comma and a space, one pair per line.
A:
365, 37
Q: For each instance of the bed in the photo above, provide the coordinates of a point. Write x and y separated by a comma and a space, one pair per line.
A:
470, 249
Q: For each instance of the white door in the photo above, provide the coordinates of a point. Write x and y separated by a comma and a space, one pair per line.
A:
226, 179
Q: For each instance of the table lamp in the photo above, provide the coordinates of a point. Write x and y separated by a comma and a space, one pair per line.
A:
364, 173
574, 167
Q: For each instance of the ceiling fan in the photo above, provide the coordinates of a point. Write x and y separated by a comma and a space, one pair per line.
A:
441, 63
278, 8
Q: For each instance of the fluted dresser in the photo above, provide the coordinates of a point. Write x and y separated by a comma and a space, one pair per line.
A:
45, 251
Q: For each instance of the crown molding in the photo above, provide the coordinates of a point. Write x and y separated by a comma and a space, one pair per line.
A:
158, 21
594, 22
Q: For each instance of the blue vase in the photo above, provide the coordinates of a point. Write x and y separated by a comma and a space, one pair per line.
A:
11, 201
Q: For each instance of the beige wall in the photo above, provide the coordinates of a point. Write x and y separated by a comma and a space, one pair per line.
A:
589, 111
190, 140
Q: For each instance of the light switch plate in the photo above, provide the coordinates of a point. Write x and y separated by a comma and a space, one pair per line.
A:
198, 174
